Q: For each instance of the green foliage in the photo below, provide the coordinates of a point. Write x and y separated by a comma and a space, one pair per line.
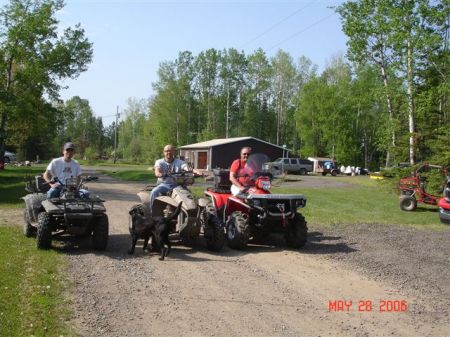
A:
35, 57
12, 184
33, 283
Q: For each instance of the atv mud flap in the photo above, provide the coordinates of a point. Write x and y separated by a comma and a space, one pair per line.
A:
160, 204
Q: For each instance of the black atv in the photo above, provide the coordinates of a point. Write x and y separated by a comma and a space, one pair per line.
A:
75, 212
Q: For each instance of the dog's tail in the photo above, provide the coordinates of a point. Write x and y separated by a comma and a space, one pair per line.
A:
175, 213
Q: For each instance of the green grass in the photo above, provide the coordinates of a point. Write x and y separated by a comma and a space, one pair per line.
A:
12, 184
132, 175
362, 204
33, 287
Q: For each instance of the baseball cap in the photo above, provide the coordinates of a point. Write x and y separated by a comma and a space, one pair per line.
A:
69, 145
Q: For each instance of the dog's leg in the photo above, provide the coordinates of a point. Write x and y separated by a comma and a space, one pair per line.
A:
145, 243
134, 239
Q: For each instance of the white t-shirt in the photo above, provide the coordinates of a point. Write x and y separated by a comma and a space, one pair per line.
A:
63, 170
177, 165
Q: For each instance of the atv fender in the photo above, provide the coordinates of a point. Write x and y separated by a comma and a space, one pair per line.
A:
33, 205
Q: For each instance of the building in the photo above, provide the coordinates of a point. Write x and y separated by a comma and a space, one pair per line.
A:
220, 153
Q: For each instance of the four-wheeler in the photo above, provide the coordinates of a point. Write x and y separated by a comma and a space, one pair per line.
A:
196, 216
257, 213
75, 212
444, 205
412, 188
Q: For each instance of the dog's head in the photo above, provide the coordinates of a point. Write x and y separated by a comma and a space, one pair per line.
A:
138, 222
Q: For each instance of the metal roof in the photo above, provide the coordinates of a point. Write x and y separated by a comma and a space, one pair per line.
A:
221, 141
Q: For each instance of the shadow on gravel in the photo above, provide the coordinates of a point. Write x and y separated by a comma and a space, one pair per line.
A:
318, 243
118, 245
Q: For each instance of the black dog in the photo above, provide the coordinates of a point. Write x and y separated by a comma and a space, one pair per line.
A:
158, 229
140, 227
161, 232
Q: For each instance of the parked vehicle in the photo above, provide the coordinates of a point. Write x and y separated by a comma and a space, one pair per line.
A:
289, 165
258, 213
412, 188
328, 167
196, 217
73, 213
10, 157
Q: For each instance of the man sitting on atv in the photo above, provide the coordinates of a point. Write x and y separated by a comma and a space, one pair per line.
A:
164, 168
62, 168
239, 178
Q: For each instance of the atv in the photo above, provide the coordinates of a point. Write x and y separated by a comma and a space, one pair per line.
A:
196, 217
75, 212
257, 213
412, 188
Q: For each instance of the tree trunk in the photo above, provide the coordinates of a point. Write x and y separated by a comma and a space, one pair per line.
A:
389, 107
412, 145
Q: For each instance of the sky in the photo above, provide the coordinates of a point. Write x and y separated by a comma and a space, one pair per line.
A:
131, 38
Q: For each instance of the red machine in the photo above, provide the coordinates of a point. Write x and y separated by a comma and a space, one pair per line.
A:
444, 205
412, 188
257, 213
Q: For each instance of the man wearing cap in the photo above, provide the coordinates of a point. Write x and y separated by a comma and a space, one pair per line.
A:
62, 168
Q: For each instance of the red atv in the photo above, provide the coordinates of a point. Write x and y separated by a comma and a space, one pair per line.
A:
257, 213
412, 188
444, 205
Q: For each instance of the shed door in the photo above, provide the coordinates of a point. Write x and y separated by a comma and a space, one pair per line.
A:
202, 160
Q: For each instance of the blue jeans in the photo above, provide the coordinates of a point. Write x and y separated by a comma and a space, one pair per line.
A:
56, 192
161, 189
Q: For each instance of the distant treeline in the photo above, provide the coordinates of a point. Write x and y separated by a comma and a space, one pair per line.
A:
385, 102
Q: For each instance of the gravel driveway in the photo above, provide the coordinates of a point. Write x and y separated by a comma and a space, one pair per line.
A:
338, 285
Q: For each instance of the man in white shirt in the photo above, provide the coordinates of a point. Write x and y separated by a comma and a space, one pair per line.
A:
62, 168
164, 167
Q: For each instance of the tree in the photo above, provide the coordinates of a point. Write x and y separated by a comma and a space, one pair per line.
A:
402, 38
34, 59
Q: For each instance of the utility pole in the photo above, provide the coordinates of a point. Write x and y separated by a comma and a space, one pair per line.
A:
115, 134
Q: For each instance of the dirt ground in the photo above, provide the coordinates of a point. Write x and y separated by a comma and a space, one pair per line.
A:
349, 281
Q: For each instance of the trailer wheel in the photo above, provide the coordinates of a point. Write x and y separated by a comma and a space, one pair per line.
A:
408, 203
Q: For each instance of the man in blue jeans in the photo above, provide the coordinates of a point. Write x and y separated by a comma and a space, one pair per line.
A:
62, 168
164, 168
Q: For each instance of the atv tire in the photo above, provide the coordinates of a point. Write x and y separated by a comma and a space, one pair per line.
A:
408, 203
100, 233
297, 232
213, 229
216, 239
237, 231
28, 230
44, 232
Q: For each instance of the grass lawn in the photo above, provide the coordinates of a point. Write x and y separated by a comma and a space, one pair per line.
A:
12, 184
33, 285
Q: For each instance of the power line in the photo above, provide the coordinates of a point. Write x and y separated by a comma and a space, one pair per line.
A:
276, 25
301, 31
